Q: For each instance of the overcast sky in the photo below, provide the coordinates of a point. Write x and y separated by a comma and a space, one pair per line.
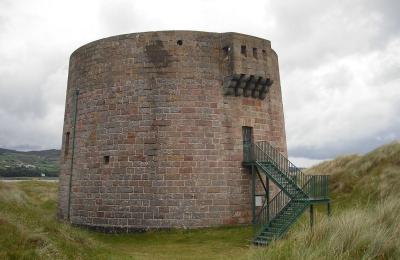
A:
339, 63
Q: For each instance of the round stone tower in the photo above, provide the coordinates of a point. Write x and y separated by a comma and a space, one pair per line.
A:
155, 125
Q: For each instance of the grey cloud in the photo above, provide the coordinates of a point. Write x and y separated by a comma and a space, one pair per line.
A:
343, 147
339, 60
23, 96
358, 115
118, 17
340, 74
311, 32
2, 22
389, 11
30, 133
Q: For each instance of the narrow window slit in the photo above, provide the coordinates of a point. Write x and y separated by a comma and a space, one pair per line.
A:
106, 159
226, 50
255, 53
66, 146
243, 50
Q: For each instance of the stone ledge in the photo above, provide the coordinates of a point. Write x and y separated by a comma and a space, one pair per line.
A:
113, 229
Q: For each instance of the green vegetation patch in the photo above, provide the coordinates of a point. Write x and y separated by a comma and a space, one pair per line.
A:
29, 230
363, 180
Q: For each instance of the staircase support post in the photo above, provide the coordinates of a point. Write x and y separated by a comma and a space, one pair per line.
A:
253, 193
328, 205
267, 197
311, 216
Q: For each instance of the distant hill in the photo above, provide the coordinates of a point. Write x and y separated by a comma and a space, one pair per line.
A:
32, 163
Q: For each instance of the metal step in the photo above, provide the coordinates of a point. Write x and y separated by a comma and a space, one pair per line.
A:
267, 233
258, 242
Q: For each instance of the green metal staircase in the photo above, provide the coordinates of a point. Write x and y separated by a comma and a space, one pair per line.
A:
298, 192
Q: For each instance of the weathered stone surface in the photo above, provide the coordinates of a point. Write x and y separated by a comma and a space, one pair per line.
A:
158, 139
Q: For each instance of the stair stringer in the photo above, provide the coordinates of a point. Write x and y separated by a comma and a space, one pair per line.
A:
283, 230
261, 168
294, 198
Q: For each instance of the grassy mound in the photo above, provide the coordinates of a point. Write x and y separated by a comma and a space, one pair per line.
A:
365, 179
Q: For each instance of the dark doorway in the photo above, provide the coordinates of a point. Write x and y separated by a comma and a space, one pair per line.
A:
247, 141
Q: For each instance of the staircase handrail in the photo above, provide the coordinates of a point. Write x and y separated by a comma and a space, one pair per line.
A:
317, 187
274, 156
270, 210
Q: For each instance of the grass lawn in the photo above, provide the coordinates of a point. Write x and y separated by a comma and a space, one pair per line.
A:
29, 230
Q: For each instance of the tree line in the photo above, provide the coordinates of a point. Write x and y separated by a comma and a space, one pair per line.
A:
21, 171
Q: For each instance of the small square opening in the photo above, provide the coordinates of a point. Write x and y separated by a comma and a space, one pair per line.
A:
243, 50
106, 159
226, 50
255, 53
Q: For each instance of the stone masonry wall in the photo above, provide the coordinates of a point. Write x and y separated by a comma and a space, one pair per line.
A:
158, 143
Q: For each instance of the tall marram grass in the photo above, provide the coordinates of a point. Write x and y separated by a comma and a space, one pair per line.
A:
357, 233
364, 179
30, 230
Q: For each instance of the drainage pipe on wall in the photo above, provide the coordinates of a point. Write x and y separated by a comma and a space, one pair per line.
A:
73, 152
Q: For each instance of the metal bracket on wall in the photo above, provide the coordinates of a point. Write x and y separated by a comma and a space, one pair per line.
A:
247, 85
